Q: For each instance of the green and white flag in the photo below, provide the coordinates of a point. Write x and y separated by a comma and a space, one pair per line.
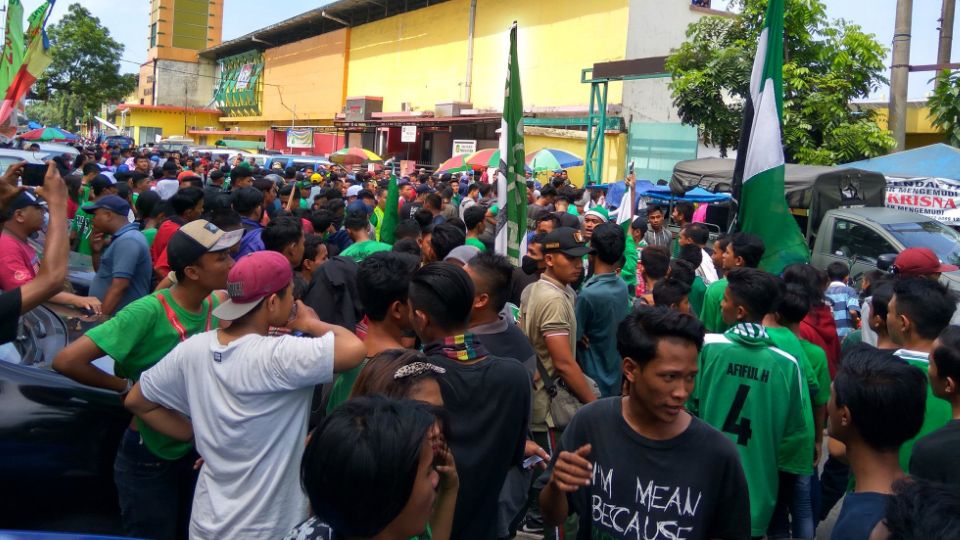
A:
14, 46
758, 177
511, 182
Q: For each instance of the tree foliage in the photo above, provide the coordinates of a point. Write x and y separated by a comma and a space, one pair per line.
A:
945, 106
84, 74
826, 65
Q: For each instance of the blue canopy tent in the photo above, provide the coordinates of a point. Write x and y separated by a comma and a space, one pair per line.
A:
695, 195
934, 161
615, 191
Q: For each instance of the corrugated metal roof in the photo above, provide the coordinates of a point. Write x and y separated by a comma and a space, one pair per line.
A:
313, 23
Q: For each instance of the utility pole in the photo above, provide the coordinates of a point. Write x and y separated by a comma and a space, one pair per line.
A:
900, 72
946, 31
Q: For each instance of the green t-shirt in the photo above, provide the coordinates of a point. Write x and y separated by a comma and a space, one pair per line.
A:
818, 361
475, 242
710, 314
343, 386
138, 337
796, 449
752, 392
938, 411
150, 234
361, 250
697, 290
82, 224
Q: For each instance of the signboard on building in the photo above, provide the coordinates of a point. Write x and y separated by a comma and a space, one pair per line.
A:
408, 134
300, 138
936, 198
243, 77
464, 146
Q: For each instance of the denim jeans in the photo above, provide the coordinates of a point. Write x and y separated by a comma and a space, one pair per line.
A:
793, 515
155, 494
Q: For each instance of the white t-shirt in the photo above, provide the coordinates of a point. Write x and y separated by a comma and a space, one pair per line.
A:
249, 402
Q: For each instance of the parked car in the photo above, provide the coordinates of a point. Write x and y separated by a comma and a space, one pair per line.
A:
53, 427
54, 149
122, 141
9, 156
298, 162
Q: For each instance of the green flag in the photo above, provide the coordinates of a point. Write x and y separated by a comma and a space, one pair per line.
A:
13, 45
758, 177
511, 183
391, 213
36, 19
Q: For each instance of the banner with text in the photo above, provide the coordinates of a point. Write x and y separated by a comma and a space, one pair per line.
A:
300, 138
936, 198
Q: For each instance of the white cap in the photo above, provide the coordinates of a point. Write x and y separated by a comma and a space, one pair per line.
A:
353, 191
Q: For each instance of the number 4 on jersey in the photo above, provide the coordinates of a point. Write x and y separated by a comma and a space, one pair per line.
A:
742, 428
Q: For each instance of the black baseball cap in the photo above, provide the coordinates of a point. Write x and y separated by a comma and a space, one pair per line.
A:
566, 240
25, 199
114, 203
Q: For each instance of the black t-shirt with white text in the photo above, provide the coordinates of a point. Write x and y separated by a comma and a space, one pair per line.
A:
691, 486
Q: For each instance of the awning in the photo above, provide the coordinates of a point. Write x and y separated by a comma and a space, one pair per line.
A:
234, 143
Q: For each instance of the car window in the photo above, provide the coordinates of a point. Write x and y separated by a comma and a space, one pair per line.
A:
943, 240
852, 239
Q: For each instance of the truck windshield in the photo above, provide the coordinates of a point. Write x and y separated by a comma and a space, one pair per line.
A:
943, 240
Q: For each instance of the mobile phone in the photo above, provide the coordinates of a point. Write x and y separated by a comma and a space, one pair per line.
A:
631, 166
531, 461
32, 174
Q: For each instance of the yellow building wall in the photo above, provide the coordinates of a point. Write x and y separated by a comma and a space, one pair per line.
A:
556, 39
919, 126
311, 74
421, 56
615, 147
172, 123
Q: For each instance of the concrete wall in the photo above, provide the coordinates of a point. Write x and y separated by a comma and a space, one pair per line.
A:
184, 84
172, 123
420, 57
311, 74
656, 28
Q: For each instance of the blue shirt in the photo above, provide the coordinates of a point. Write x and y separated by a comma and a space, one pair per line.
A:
602, 303
128, 257
844, 299
251, 240
860, 514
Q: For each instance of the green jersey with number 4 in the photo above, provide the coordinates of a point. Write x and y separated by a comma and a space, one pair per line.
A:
752, 392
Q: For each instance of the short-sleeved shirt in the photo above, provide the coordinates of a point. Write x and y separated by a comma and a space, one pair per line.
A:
935, 455
710, 314
11, 302
751, 391
602, 303
698, 289
796, 453
937, 413
162, 237
475, 242
138, 336
150, 234
19, 262
127, 257
249, 403
361, 250
691, 486
844, 299
859, 515
546, 309
488, 403
82, 225
818, 362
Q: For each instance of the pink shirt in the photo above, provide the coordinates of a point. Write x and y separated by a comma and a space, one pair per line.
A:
19, 263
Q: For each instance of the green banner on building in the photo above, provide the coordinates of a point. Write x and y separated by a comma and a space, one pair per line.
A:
239, 90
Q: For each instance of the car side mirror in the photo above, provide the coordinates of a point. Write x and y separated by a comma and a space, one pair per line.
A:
885, 261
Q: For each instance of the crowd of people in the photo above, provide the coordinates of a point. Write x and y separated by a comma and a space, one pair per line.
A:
302, 362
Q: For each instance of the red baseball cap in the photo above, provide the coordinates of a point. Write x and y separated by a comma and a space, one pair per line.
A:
254, 277
920, 261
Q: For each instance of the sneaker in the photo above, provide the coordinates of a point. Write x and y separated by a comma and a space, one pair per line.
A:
530, 527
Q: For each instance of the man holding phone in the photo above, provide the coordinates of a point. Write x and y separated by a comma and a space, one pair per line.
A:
25, 215
49, 277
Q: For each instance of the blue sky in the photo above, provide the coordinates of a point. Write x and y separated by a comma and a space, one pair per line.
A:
128, 20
